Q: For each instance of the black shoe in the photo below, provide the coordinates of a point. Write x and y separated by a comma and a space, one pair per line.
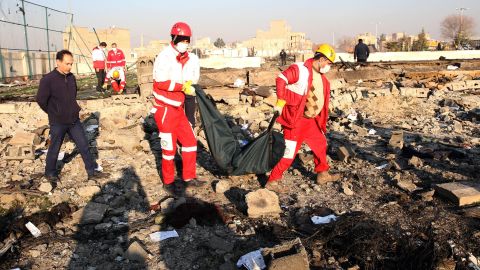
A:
195, 182
98, 175
53, 180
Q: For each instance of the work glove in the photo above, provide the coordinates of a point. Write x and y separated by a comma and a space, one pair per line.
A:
104, 86
188, 89
278, 108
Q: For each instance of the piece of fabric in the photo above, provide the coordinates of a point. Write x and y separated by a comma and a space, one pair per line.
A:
257, 156
315, 98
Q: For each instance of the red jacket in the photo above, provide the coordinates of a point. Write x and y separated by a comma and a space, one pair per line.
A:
293, 85
115, 59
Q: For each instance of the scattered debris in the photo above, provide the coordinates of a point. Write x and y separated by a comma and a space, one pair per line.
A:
461, 193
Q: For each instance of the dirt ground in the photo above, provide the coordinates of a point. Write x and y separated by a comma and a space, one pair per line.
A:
388, 213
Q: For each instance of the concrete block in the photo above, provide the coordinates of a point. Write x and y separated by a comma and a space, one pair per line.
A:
20, 152
462, 193
457, 86
344, 153
414, 92
396, 141
472, 84
8, 108
262, 202
24, 138
287, 256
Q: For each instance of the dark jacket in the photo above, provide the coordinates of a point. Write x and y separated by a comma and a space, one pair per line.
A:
361, 51
57, 96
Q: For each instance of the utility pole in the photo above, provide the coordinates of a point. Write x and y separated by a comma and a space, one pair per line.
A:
460, 30
376, 34
26, 41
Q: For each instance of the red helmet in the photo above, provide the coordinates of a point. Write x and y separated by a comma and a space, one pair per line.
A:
181, 29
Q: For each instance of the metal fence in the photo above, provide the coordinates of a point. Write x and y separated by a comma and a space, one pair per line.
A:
31, 34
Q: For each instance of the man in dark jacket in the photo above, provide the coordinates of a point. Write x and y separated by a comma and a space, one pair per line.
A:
283, 57
56, 96
361, 52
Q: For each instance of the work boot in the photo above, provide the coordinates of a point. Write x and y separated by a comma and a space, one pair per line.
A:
195, 182
169, 188
325, 177
275, 186
53, 180
96, 175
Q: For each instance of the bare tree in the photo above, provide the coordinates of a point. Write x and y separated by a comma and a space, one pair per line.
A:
458, 28
346, 44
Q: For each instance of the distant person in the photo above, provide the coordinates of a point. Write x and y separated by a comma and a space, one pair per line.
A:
174, 72
98, 58
116, 76
56, 96
361, 52
283, 57
115, 57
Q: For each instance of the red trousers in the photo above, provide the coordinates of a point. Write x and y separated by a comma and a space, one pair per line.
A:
173, 125
308, 131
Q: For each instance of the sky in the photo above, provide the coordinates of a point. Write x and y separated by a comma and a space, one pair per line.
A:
238, 20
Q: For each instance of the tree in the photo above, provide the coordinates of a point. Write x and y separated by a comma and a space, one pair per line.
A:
345, 44
421, 43
458, 28
219, 43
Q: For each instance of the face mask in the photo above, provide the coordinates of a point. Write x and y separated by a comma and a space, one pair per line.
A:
182, 47
114, 49
325, 69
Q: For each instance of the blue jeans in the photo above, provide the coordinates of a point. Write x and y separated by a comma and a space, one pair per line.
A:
77, 134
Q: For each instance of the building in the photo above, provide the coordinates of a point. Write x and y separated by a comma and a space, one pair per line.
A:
368, 38
280, 36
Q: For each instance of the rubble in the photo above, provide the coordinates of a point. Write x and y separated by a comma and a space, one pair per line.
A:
288, 256
460, 193
262, 202
418, 124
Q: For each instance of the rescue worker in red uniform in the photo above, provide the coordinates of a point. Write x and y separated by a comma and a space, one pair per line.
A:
174, 72
115, 57
116, 76
303, 93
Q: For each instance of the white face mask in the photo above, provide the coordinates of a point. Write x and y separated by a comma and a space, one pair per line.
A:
182, 47
325, 69
114, 49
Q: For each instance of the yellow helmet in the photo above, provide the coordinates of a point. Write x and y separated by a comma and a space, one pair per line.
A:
326, 50
116, 74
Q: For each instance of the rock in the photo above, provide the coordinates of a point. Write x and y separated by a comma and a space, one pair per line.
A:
396, 141
45, 187
92, 213
34, 253
427, 195
415, 162
262, 202
159, 219
166, 205
344, 153
88, 191
218, 243
462, 193
145, 145
222, 186
406, 185
24, 138
346, 189
457, 126
7, 199
136, 252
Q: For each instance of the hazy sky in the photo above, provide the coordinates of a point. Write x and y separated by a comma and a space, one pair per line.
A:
239, 20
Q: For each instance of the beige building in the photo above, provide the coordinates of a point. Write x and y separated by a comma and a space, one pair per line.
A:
368, 38
278, 37
153, 48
